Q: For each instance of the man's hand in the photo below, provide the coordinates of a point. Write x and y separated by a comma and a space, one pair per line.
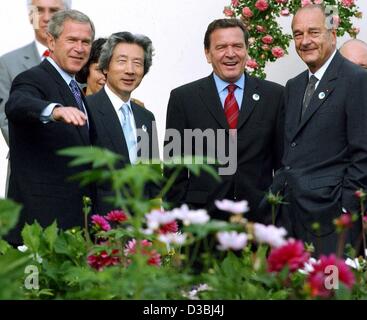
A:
69, 115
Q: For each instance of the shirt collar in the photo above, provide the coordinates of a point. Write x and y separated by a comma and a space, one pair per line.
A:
40, 48
116, 101
320, 73
222, 85
66, 76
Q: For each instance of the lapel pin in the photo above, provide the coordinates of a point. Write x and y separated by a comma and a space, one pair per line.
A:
321, 95
256, 97
144, 128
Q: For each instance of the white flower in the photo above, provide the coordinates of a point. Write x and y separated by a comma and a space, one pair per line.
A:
232, 206
37, 258
157, 218
308, 266
188, 216
172, 238
269, 234
231, 240
22, 248
353, 263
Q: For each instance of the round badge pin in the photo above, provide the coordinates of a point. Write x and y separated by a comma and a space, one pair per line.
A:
321, 95
256, 97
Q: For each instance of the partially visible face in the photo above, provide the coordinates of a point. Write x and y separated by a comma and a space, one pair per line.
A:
355, 53
96, 79
40, 14
72, 48
227, 53
126, 69
313, 41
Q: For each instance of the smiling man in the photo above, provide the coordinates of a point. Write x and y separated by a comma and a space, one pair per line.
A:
228, 99
46, 113
325, 146
120, 123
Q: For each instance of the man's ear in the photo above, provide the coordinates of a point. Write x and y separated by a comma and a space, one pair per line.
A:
207, 54
51, 42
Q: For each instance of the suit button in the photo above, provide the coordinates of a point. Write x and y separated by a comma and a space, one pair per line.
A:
293, 144
287, 168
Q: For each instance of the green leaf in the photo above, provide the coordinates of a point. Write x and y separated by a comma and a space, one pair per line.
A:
9, 214
50, 235
31, 235
4, 246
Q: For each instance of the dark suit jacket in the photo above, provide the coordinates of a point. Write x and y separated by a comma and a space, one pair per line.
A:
38, 177
110, 136
325, 154
259, 142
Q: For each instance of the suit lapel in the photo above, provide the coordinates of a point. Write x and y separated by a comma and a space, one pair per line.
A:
323, 91
111, 123
251, 97
31, 56
210, 97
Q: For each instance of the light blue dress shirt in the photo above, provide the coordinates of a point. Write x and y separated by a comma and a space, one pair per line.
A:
223, 91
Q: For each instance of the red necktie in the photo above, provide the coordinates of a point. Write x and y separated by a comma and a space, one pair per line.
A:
46, 53
231, 109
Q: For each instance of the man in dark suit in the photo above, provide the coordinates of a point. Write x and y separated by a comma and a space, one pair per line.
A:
46, 113
242, 117
325, 146
125, 59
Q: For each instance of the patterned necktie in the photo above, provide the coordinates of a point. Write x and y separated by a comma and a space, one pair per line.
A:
128, 132
310, 89
77, 95
231, 109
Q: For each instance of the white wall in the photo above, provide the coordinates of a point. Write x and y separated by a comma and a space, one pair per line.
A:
176, 28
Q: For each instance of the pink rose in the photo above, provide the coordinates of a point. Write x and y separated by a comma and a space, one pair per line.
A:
347, 3
246, 12
262, 5
260, 28
251, 63
265, 47
235, 3
228, 12
277, 52
284, 12
305, 2
268, 39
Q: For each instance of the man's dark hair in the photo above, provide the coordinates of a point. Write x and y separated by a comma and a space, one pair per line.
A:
95, 52
223, 24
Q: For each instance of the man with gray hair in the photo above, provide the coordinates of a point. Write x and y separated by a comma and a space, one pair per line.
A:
125, 59
47, 112
355, 50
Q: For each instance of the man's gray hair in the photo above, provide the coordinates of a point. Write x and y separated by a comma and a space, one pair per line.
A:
56, 24
126, 37
67, 4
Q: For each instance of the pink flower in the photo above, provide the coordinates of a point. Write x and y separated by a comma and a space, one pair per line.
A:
284, 12
265, 47
292, 255
262, 5
116, 216
344, 221
277, 52
318, 1
360, 194
235, 3
154, 258
318, 278
102, 259
171, 227
347, 3
282, 1
228, 12
251, 63
100, 222
246, 12
260, 28
268, 39
305, 2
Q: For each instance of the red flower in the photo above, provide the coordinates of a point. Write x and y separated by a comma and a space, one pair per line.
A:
260, 28
116, 216
344, 221
292, 255
171, 227
347, 3
228, 12
154, 258
277, 52
262, 5
101, 260
360, 194
100, 222
320, 276
281, 1
235, 3
252, 64
268, 39
246, 12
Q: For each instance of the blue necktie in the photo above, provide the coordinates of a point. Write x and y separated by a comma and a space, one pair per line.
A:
77, 95
128, 132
